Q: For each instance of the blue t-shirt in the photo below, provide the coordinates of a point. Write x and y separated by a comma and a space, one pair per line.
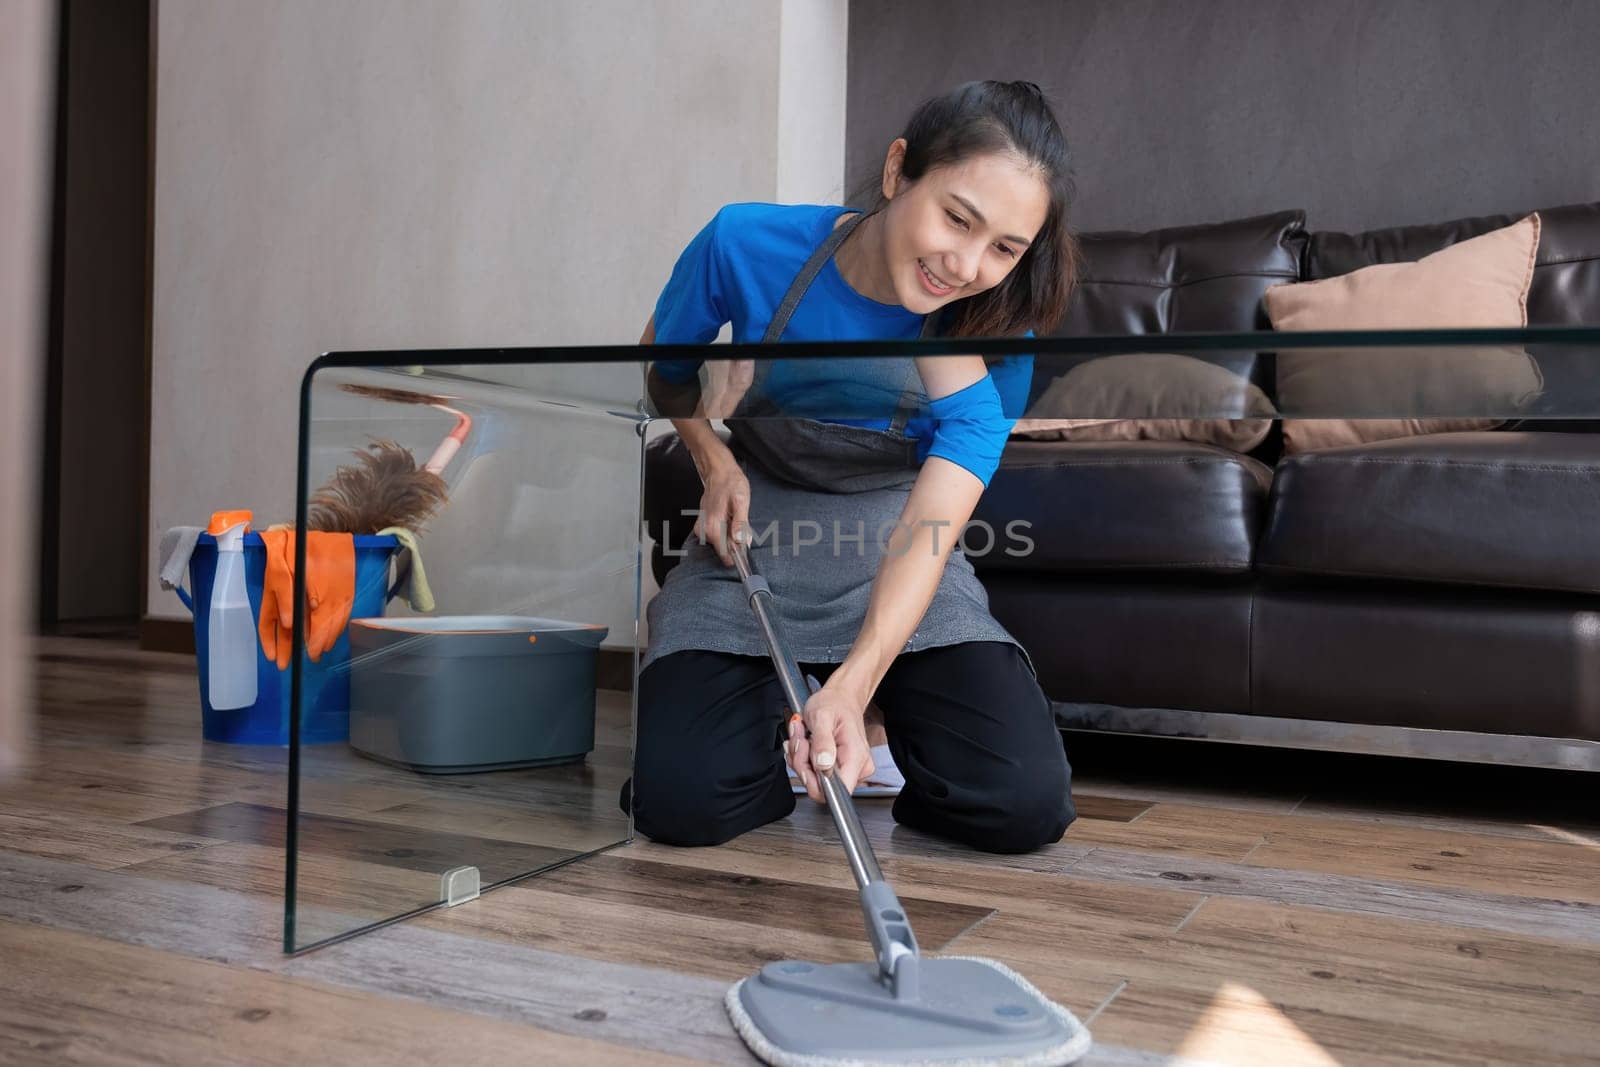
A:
738, 268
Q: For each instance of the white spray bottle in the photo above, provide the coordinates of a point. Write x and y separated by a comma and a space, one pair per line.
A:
231, 628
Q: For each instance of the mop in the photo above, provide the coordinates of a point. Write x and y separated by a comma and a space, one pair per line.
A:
905, 1008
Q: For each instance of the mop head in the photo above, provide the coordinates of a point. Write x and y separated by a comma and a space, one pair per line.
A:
848, 1019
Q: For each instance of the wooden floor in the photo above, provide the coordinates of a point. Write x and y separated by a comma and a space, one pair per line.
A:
1210, 904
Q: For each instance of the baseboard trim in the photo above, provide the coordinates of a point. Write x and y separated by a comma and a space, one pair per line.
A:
613, 666
1462, 746
166, 635
613, 669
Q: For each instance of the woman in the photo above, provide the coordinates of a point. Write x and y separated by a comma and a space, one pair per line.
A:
969, 238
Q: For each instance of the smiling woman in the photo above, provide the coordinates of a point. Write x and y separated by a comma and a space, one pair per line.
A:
968, 237
975, 194
948, 249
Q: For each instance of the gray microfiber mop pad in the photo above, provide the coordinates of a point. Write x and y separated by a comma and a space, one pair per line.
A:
1072, 1049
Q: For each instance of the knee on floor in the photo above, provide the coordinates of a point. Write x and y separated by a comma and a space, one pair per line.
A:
1037, 807
678, 802
1029, 828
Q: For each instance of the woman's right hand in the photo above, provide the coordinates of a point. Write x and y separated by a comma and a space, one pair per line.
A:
724, 503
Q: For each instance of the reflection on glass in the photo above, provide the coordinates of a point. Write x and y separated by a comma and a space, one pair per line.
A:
473, 557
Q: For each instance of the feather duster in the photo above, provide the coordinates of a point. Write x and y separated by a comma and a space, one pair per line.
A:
384, 489
393, 396
450, 445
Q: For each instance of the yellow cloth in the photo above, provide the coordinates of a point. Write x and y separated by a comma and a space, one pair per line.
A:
418, 593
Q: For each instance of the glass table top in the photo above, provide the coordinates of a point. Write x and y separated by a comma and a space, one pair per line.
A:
475, 724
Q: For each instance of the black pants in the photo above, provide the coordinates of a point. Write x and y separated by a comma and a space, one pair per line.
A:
968, 725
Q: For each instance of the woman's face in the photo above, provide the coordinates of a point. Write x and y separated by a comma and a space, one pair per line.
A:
960, 229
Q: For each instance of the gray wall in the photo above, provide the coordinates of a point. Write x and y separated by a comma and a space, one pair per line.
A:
1367, 113
368, 174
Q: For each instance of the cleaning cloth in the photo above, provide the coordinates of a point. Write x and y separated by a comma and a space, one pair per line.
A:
177, 545
415, 584
884, 781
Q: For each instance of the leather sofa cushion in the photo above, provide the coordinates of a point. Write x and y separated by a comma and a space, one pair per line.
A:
1508, 509
1135, 642
1155, 396
1135, 505
1482, 281
1185, 279
1566, 272
1441, 659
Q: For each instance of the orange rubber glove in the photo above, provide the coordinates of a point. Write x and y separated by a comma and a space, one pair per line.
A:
276, 625
330, 588
330, 593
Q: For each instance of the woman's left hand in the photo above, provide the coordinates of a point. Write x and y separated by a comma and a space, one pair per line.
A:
838, 740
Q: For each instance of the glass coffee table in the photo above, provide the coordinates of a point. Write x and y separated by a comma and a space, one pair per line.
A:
1234, 537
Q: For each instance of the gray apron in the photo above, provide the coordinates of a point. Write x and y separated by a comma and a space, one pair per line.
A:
824, 498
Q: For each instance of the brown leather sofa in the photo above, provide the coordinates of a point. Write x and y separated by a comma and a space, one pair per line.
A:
1184, 590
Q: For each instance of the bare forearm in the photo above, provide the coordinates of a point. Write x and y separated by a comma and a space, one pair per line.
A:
705, 447
683, 404
941, 502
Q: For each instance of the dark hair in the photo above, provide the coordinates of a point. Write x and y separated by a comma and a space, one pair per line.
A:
984, 117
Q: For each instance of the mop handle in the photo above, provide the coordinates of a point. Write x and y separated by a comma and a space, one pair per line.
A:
863, 863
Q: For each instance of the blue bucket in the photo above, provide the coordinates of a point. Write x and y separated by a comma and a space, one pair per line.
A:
325, 685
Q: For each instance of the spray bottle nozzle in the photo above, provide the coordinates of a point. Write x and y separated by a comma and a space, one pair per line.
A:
229, 527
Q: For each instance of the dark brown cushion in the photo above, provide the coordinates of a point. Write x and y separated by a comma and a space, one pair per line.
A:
1185, 279
1135, 505
1515, 510
1134, 641
1432, 659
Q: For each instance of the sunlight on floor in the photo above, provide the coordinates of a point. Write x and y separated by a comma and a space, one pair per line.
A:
1565, 835
1240, 1026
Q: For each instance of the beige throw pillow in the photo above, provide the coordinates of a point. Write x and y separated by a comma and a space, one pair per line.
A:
1156, 397
1481, 282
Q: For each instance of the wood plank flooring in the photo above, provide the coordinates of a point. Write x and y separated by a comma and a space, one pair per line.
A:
1211, 904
